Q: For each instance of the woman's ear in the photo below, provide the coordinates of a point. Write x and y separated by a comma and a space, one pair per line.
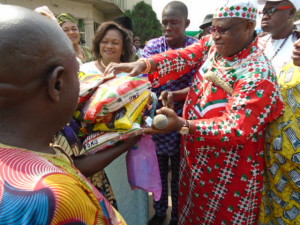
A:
55, 83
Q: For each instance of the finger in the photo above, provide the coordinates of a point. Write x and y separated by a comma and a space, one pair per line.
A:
108, 70
162, 95
134, 72
113, 68
133, 140
164, 98
165, 110
297, 43
150, 130
296, 52
170, 105
296, 55
170, 101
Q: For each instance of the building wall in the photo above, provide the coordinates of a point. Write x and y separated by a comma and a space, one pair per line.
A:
91, 11
80, 9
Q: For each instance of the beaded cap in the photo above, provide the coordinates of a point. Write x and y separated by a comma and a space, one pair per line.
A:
245, 9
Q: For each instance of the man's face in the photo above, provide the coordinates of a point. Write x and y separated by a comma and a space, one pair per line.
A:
174, 25
137, 42
230, 35
275, 16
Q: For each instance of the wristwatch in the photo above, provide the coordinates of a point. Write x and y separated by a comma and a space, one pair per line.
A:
185, 128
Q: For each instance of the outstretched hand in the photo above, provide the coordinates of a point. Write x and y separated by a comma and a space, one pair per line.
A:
133, 69
174, 122
128, 143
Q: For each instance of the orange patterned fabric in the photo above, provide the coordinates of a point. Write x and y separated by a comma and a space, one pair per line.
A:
38, 188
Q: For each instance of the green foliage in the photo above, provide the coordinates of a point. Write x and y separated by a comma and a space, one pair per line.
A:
298, 16
144, 21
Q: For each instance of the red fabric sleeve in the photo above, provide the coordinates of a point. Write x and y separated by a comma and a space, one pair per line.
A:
172, 64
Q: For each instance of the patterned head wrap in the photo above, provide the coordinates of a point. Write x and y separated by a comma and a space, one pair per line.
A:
66, 17
245, 9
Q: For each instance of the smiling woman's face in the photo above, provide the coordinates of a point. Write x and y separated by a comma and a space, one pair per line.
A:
71, 29
111, 46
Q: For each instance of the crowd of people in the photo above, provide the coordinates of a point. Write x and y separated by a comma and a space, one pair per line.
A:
231, 99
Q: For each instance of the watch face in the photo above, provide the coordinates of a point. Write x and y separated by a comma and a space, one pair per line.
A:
184, 130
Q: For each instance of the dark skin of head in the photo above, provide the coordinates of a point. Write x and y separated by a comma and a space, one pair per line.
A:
174, 22
39, 85
235, 39
280, 24
39, 68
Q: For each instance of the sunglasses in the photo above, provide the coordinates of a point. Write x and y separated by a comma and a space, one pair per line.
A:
272, 10
222, 30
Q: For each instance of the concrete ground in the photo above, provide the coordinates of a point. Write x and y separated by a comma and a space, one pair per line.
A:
151, 209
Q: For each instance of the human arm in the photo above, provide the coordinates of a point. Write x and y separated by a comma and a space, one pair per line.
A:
90, 164
133, 68
254, 103
166, 66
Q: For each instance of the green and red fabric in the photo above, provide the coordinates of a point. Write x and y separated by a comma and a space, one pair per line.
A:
237, 8
222, 162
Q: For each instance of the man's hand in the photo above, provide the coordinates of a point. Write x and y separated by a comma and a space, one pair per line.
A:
167, 100
174, 122
90, 164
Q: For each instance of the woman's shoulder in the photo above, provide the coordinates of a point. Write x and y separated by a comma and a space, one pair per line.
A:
89, 68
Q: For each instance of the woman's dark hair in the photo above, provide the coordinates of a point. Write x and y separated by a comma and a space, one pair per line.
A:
127, 40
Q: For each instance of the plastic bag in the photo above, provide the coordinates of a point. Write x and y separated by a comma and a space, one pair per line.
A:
142, 167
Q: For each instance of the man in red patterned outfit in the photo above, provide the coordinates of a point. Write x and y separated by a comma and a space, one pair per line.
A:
232, 99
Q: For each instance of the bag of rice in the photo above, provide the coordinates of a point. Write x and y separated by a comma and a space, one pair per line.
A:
123, 118
101, 140
113, 95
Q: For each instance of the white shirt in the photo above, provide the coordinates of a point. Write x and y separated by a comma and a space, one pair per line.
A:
279, 51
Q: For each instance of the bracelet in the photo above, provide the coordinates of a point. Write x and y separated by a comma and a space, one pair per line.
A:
148, 65
185, 129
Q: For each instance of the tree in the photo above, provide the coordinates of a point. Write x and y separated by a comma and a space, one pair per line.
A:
298, 16
144, 21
